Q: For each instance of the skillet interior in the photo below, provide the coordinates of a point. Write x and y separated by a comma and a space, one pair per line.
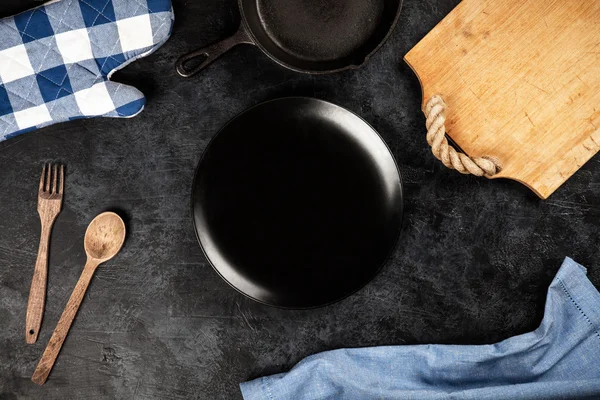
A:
320, 35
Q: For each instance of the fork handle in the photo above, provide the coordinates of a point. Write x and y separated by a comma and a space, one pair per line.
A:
37, 293
64, 324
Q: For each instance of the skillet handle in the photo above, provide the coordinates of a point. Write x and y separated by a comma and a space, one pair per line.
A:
212, 52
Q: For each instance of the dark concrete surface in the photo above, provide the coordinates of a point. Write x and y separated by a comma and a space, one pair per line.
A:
473, 264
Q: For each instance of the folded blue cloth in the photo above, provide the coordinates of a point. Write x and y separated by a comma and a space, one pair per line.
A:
559, 360
56, 60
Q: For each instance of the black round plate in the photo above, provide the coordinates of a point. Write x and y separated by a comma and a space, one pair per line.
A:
297, 203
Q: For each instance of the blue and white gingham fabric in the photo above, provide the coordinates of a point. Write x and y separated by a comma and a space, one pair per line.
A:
56, 60
559, 360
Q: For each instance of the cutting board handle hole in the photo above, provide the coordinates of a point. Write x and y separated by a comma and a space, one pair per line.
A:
435, 112
496, 162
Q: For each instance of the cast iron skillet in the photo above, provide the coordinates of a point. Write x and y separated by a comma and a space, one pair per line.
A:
311, 36
297, 203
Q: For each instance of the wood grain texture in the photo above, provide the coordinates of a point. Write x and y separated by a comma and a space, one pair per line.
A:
50, 198
522, 83
103, 240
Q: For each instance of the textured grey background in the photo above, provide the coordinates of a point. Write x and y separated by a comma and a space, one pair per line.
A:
473, 264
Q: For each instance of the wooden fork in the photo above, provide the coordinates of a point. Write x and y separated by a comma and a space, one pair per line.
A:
50, 198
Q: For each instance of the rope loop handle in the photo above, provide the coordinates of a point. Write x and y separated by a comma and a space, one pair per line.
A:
435, 112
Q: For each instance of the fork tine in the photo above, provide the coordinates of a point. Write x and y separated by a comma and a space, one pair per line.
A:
54, 183
48, 173
62, 179
42, 178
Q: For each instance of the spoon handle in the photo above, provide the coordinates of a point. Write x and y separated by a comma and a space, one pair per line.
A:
62, 328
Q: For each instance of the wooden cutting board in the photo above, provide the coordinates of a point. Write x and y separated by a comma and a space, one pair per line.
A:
522, 83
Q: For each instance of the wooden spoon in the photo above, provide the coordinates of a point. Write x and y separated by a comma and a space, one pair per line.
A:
103, 240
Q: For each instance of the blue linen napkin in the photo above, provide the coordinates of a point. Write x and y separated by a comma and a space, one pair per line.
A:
559, 360
56, 60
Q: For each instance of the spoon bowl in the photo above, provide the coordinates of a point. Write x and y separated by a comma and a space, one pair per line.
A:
104, 236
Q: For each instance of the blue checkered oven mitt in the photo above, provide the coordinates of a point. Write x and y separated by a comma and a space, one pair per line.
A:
56, 60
